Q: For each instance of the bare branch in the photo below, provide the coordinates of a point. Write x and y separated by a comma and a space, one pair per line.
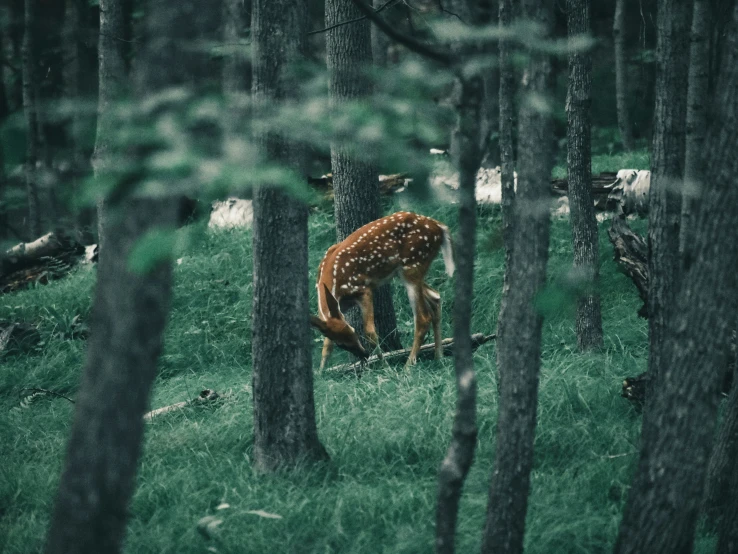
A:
356, 20
440, 56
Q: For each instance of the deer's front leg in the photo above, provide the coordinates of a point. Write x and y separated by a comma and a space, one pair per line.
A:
366, 303
327, 350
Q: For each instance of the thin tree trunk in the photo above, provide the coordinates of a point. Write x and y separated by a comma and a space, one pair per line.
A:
380, 41
30, 107
519, 327
355, 183
579, 162
285, 432
667, 170
507, 162
471, 147
621, 77
678, 427
697, 100
112, 87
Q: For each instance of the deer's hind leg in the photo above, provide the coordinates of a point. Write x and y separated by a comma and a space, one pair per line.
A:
433, 301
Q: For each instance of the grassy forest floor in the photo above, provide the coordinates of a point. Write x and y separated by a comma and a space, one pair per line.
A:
386, 432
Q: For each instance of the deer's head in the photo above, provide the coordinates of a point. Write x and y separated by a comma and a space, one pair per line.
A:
336, 328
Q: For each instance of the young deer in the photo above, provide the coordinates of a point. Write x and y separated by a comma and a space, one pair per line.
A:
403, 243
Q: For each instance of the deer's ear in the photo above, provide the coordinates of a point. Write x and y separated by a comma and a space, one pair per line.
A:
318, 323
332, 303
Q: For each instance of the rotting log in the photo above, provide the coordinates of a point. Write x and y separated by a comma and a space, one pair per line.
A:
631, 254
426, 352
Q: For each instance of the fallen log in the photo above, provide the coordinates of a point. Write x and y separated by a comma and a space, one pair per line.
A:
47, 258
206, 395
426, 352
631, 255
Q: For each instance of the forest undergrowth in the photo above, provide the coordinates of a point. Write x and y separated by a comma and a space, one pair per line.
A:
386, 431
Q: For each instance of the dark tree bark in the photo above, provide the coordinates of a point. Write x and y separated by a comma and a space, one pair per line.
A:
678, 427
30, 107
284, 414
129, 316
380, 42
621, 77
236, 70
723, 460
579, 162
667, 170
519, 327
468, 138
128, 321
697, 101
728, 530
112, 87
355, 184
507, 162
79, 77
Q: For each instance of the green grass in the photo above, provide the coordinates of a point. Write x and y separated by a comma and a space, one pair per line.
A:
386, 432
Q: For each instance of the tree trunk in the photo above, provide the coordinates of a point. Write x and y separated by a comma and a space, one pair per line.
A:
724, 459
79, 76
129, 316
471, 147
380, 41
236, 70
667, 169
621, 77
507, 162
112, 87
697, 101
30, 107
579, 162
285, 432
519, 327
355, 183
679, 424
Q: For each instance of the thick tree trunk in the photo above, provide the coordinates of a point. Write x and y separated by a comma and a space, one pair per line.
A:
723, 460
285, 432
30, 107
468, 138
355, 184
507, 162
667, 169
579, 162
129, 316
112, 87
128, 320
519, 328
678, 427
697, 101
621, 76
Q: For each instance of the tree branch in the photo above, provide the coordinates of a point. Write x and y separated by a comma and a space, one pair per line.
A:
442, 57
356, 20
